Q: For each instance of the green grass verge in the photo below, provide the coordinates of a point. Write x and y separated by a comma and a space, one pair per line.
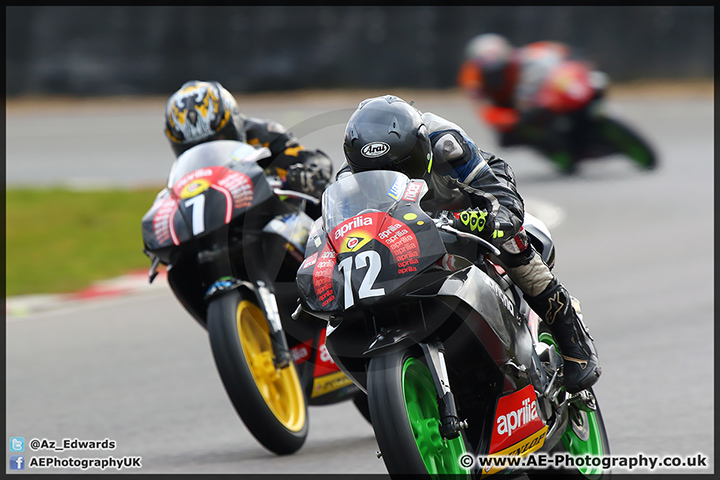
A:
60, 240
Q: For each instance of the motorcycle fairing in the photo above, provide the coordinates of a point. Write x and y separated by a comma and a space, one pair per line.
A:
317, 277
511, 342
517, 357
327, 376
403, 238
517, 427
567, 88
221, 189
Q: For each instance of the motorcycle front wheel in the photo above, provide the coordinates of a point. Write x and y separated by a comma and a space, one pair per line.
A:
269, 401
404, 411
625, 140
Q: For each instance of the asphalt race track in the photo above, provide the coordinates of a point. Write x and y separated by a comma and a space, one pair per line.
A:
637, 249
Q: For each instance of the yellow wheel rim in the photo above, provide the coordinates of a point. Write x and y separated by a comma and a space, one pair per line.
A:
280, 388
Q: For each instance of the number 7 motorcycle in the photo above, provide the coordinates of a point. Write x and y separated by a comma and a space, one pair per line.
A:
232, 241
457, 368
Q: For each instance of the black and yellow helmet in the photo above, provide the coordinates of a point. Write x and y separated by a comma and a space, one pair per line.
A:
200, 112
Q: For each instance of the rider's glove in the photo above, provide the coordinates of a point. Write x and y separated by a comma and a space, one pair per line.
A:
474, 220
311, 177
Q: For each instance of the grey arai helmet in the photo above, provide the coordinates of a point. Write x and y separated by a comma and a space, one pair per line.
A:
387, 133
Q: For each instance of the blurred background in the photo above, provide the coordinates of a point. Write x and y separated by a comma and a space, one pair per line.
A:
85, 155
149, 50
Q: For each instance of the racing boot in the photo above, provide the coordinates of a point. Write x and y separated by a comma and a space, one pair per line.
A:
561, 313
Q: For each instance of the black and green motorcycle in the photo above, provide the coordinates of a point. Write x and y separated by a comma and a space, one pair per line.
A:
459, 372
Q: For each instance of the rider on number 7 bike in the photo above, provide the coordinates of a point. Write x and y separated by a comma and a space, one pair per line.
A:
424, 145
203, 111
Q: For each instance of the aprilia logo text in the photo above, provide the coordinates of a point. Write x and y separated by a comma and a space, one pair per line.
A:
356, 222
518, 418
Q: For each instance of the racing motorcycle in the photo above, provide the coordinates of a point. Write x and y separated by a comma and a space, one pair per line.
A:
458, 370
232, 240
570, 123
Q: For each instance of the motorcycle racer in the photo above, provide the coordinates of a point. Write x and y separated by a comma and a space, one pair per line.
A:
202, 111
387, 133
523, 92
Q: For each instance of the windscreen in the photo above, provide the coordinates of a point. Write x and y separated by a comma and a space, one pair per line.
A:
211, 154
363, 192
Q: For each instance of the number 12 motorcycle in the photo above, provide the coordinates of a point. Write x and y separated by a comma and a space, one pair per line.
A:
232, 241
456, 366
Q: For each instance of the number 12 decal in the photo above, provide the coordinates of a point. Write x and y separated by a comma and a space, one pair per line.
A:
370, 259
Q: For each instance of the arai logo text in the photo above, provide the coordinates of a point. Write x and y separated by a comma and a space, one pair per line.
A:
375, 149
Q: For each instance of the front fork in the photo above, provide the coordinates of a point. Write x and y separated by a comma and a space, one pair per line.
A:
268, 302
281, 351
450, 425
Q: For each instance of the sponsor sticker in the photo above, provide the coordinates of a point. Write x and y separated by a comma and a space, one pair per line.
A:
322, 276
353, 223
301, 353
329, 383
522, 448
355, 242
310, 261
397, 188
240, 188
516, 419
199, 176
194, 188
324, 364
374, 149
163, 227
412, 191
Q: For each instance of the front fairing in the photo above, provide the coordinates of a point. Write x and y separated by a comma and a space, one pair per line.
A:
208, 186
373, 238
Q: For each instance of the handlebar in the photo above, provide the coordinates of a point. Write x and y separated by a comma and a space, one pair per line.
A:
294, 194
443, 224
276, 184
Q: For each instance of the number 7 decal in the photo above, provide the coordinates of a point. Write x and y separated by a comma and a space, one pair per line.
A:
370, 259
198, 213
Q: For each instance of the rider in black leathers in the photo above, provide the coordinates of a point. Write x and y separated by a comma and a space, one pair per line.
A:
481, 186
202, 111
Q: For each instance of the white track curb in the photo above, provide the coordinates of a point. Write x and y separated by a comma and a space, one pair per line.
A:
24, 305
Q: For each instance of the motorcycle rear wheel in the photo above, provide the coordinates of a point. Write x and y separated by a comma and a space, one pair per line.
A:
584, 436
269, 401
404, 412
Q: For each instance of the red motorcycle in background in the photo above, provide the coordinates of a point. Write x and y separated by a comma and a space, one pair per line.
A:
566, 121
232, 241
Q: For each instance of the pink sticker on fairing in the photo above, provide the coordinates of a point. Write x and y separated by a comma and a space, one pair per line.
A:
412, 191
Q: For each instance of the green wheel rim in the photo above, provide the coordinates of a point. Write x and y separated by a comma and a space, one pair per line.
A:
564, 161
586, 423
628, 145
440, 456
